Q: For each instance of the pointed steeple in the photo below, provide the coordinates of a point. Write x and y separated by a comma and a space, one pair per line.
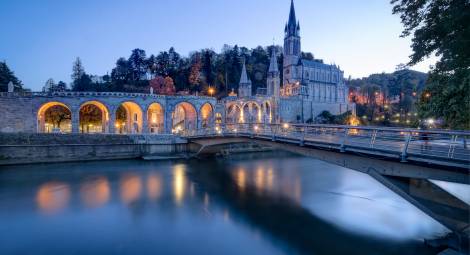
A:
273, 64
292, 23
244, 88
244, 77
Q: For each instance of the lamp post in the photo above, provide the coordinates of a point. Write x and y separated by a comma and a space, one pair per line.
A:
211, 91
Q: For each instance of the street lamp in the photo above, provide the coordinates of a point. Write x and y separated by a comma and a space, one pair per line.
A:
211, 91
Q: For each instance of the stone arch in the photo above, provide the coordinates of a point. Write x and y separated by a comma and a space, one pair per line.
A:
184, 118
155, 118
234, 114
267, 112
252, 112
206, 115
54, 117
93, 117
129, 119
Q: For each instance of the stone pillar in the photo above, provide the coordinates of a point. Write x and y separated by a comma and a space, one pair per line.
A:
112, 122
76, 121
145, 124
167, 120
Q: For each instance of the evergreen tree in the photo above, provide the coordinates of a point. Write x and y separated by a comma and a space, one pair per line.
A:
137, 65
6, 75
77, 70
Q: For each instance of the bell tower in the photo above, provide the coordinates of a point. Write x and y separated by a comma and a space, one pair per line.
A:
292, 50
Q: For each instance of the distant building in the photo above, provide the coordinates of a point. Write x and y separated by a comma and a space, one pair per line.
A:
309, 87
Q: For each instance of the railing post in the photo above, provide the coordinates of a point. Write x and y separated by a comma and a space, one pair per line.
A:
274, 129
302, 139
343, 142
404, 154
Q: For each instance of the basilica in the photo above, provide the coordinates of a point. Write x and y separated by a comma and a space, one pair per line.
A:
308, 87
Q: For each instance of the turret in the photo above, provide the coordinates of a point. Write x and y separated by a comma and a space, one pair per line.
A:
273, 80
244, 87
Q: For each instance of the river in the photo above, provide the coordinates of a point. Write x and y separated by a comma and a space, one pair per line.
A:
264, 203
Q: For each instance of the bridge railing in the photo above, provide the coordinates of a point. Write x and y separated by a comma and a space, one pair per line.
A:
406, 144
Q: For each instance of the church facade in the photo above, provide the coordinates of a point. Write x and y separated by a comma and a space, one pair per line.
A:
308, 87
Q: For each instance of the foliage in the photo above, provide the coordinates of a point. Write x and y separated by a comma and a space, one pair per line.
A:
6, 75
195, 73
163, 86
441, 28
90, 115
326, 117
56, 115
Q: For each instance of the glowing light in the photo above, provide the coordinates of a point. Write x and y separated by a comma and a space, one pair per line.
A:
52, 197
241, 179
285, 125
255, 128
95, 192
179, 183
430, 121
131, 188
154, 186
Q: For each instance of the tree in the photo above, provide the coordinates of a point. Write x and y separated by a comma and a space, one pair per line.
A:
441, 28
61, 86
49, 86
77, 70
56, 115
158, 85
169, 86
6, 75
137, 65
195, 74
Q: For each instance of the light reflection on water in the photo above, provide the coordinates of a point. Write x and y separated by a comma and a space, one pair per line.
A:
270, 205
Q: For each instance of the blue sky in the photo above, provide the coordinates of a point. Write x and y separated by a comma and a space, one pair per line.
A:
41, 39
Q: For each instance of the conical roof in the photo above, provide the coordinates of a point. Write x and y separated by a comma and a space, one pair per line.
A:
292, 23
273, 63
244, 77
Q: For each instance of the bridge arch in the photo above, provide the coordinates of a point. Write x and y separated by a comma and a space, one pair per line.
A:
93, 117
54, 116
206, 115
156, 118
184, 117
129, 118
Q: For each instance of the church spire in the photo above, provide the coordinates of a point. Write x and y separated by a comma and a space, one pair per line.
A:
292, 24
244, 87
244, 77
273, 64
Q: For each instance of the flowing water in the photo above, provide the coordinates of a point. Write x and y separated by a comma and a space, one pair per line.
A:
265, 203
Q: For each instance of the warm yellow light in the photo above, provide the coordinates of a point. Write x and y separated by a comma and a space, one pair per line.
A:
285, 125
256, 128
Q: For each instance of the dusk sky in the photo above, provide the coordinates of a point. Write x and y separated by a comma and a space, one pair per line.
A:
41, 39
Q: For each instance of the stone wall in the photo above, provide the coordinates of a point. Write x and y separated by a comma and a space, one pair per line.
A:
19, 148
16, 114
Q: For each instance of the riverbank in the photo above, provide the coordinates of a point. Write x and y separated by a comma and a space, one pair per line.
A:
28, 148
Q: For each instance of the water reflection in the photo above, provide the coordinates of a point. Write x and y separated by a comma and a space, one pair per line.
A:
131, 188
179, 183
52, 197
154, 186
95, 192
273, 205
263, 179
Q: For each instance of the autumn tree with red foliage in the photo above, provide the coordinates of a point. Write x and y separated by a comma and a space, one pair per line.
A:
163, 86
